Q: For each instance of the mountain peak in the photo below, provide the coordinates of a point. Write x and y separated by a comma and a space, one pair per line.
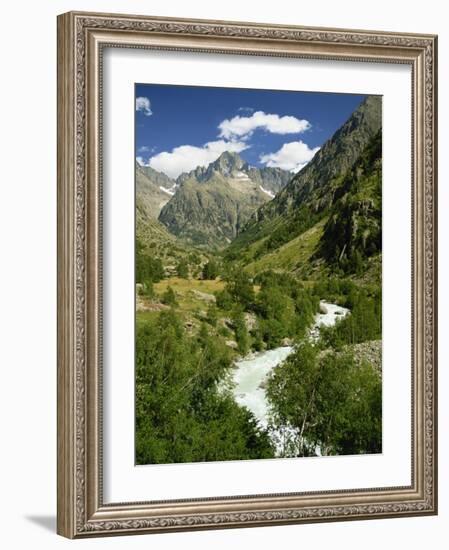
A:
214, 202
159, 178
228, 162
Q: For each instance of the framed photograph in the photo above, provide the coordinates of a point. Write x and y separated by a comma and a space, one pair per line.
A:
246, 274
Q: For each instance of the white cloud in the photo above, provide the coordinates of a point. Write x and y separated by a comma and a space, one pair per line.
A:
146, 149
143, 104
245, 110
243, 126
235, 133
291, 156
187, 157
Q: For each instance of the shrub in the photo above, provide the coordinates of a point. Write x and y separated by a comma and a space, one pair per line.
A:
169, 297
210, 270
182, 269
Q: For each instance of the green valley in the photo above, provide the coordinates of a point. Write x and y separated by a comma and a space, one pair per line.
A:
237, 266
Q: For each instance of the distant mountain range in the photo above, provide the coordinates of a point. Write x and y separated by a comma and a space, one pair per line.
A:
153, 191
213, 203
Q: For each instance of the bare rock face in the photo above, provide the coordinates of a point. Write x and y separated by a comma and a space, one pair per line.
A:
250, 321
371, 352
231, 344
146, 305
204, 296
153, 191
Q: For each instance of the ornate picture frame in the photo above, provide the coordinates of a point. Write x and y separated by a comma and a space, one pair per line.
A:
82, 38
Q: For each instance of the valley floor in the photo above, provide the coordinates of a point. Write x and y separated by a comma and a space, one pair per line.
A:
251, 333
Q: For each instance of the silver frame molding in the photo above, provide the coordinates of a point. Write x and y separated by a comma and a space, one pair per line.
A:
81, 38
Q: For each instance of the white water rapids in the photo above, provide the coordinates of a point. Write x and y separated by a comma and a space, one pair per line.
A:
250, 375
251, 372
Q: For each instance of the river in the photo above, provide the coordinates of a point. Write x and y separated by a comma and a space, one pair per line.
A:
252, 371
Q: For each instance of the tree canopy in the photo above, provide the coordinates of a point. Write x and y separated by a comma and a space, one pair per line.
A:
332, 403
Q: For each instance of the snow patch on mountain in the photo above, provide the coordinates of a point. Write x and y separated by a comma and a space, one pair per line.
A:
268, 192
242, 176
170, 191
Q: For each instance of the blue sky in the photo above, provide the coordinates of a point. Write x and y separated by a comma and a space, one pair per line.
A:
181, 127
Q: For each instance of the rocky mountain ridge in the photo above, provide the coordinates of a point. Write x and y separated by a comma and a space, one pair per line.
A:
309, 197
213, 203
